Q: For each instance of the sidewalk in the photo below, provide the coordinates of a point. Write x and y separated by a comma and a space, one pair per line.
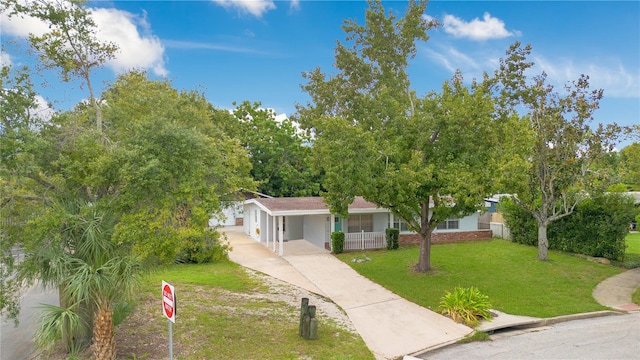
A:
390, 325
615, 292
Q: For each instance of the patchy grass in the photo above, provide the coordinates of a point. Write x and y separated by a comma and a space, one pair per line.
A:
635, 297
224, 312
475, 336
510, 274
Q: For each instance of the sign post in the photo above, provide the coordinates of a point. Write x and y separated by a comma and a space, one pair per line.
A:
169, 310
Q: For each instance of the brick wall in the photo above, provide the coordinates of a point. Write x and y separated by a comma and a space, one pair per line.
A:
447, 237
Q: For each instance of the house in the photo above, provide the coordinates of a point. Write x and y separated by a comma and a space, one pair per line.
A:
233, 211
277, 220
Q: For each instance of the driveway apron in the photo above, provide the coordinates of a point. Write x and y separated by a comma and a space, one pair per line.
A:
390, 325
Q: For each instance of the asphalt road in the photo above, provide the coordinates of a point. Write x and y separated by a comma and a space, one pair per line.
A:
16, 343
609, 337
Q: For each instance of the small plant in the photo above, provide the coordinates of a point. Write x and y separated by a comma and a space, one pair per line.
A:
392, 238
337, 242
466, 305
476, 336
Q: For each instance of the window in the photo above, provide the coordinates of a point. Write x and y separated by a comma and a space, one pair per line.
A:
449, 224
399, 224
360, 222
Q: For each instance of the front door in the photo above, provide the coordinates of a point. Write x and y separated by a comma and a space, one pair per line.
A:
338, 223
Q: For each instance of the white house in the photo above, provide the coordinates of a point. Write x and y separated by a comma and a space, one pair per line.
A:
275, 220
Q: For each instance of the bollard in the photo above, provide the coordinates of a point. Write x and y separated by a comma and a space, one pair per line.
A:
304, 308
308, 328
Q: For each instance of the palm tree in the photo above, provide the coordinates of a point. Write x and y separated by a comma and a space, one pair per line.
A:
93, 276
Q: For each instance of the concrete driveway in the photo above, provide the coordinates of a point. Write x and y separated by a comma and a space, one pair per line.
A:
390, 325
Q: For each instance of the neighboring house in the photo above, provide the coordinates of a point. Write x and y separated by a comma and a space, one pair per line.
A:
233, 211
276, 220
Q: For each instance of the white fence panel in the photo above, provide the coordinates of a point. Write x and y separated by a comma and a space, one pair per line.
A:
500, 230
364, 241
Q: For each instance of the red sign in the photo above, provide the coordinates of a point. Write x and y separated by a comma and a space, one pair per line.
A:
168, 301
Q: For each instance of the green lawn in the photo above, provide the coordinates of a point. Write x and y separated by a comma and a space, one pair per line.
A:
515, 281
633, 243
224, 313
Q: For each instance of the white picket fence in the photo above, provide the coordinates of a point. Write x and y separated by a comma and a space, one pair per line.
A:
364, 240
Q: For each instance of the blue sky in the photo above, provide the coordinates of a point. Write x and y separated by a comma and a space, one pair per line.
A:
257, 50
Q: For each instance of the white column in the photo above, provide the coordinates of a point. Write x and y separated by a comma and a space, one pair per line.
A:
267, 231
274, 233
281, 248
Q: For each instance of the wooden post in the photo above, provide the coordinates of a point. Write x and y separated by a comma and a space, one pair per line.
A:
313, 329
304, 308
311, 314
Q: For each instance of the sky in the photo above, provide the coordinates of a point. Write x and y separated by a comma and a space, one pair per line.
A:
257, 50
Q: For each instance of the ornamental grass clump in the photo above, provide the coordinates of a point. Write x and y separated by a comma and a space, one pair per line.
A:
466, 306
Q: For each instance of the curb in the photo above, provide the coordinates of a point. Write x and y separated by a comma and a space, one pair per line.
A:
581, 316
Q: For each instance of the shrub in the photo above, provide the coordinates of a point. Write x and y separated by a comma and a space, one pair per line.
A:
202, 247
466, 305
392, 235
597, 227
337, 242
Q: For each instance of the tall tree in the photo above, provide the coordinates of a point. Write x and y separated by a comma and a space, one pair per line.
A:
159, 178
630, 165
280, 155
71, 45
556, 168
426, 159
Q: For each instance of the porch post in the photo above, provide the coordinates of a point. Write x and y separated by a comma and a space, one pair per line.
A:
281, 248
274, 233
267, 231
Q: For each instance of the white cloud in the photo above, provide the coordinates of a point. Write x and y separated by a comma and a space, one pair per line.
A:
612, 76
256, 8
476, 29
42, 110
295, 5
5, 59
137, 50
452, 59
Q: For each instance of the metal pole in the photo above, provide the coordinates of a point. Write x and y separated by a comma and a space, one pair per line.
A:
170, 340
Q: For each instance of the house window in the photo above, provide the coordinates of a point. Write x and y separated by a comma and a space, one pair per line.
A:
399, 224
449, 224
360, 222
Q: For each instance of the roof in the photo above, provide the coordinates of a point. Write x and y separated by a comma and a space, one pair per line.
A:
309, 206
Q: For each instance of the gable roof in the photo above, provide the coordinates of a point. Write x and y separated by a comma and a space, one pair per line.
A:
309, 206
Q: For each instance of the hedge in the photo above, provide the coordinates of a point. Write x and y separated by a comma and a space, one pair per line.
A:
597, 227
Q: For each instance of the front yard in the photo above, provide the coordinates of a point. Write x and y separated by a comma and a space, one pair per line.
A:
515, 281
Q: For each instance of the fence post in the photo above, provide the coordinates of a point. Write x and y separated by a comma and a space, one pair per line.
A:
362, 240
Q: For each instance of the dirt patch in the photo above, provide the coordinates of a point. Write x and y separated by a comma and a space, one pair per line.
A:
143, 334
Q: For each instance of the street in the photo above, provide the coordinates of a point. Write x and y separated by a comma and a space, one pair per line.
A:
16, 343
609, 337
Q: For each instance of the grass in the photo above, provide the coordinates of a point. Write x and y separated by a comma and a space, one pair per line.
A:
633, 243
222, 313
515, 281
633, 251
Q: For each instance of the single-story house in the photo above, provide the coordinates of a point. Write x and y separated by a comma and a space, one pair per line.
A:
276, 220
233, 211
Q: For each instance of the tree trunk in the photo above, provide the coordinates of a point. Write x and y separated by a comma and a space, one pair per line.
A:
543, 242
424, 261
104, 345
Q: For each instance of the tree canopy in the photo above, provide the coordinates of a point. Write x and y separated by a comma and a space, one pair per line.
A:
279, 152
554, 171
427, 158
